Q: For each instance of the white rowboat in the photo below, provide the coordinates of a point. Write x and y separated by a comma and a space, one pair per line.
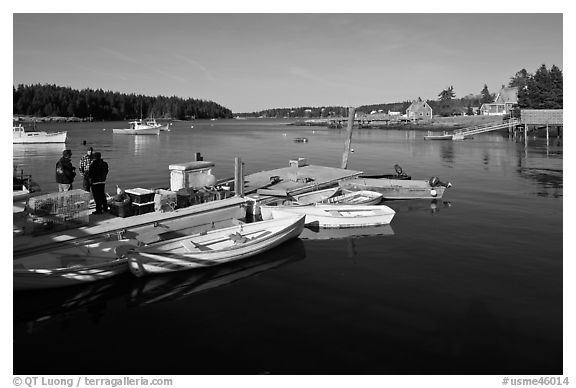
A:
214, 247
333, 216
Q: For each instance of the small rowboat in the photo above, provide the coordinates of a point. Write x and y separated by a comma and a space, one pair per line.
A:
363, 197
71, 266
316, 196
333, 216
214, 247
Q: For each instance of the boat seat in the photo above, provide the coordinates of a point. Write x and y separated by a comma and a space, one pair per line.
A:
191, 246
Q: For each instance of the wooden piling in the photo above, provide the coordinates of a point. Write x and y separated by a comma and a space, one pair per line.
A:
238, 177
348, 138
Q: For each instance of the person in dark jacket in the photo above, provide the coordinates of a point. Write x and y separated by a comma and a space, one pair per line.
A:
97, 173
65, 172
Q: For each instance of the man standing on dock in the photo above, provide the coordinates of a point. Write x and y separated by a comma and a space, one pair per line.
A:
84, 164
97, 173
65, 171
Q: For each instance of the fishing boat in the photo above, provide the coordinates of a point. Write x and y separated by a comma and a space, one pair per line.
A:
138, 127
213, 247
69, 266
300, 140
398, 189
362, 197
333, 216
152, 123
20, 136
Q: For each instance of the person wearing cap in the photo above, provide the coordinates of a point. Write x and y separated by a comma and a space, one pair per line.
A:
83, 167
65, 172
97, 172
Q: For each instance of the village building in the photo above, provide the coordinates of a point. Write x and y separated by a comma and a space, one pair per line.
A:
419, 110
506, 99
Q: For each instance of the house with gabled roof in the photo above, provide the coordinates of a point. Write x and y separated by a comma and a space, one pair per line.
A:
419, 110
506, 99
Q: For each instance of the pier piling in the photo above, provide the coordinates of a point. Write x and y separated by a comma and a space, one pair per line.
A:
348, 138
238, 177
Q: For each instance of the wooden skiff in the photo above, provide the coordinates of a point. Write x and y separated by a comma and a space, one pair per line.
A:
333, 216
214, 247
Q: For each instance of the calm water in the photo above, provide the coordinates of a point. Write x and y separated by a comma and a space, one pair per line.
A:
471, 284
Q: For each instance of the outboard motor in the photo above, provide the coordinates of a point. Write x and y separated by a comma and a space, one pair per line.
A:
399, 170
435, 182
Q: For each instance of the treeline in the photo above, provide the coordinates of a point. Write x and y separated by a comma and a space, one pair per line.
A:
51, 100
305, 111
541, 90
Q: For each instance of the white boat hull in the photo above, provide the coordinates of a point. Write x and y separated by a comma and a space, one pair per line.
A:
362, 197
333, 216
70, 266
316, 196
128, 131
39, 137
214, 247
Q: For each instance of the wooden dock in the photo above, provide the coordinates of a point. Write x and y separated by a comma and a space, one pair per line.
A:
296, 180
146, 228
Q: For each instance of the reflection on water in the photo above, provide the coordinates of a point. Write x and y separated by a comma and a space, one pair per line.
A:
316, 233
136, 144
419, 205
181, 285
36, 310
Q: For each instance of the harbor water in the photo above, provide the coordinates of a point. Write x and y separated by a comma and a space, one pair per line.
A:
467, 284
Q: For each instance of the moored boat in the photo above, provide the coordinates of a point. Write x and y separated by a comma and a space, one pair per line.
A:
213, 247
70, 266
363, 197
333, 216
398, 189
316, 196
457, 135
138, 127
20, 136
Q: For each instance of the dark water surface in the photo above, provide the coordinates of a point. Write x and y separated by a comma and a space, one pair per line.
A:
470, 284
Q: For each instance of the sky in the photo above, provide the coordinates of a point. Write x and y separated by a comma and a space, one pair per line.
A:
250, 62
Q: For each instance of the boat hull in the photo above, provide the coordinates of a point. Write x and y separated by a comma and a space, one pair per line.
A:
362, 197
39, 138
395, 189
170, 256
127, 131
334, 216
69, 266
316, 196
